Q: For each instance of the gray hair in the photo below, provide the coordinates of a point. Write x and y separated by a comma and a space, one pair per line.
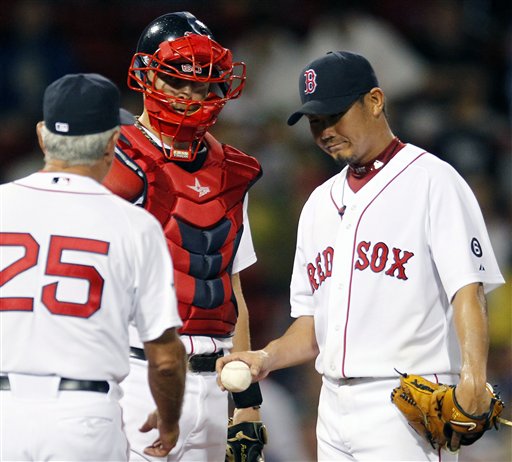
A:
76, 150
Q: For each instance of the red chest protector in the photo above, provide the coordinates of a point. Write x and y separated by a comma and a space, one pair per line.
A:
202, 217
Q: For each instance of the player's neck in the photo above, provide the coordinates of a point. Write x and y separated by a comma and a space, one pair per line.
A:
169, 141
357, 177
382, 154
96, 171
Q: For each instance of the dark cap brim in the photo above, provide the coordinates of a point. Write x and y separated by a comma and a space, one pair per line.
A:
323, 107
126, 117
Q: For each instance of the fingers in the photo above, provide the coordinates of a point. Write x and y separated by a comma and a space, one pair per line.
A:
158, 449
150, 423
167, 439
473, 400
254, 359
454, 443
221, 362
146, 427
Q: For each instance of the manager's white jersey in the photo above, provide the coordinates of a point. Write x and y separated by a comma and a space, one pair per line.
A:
379, 281
78, 264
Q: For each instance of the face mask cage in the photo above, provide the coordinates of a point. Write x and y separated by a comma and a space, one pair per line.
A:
195, 58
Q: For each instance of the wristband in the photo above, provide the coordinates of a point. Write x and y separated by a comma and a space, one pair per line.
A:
248, 398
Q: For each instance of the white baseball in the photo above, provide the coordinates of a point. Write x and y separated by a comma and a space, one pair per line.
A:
236, 376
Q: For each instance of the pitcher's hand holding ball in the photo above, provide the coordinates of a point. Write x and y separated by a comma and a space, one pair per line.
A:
236, 371
236, 376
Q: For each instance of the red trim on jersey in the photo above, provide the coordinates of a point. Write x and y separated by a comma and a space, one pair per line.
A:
353, 256
59, 191
358, 176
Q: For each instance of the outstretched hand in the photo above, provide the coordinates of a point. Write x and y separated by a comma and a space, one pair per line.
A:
168, 436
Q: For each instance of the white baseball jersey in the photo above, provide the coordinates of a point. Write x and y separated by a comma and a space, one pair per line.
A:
78, 264
379, 280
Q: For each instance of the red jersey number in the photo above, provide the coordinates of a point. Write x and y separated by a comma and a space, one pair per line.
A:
54, 267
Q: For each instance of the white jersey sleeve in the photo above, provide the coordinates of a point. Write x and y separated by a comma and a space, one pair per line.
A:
301, 300
459, 241
245, 255
155, 298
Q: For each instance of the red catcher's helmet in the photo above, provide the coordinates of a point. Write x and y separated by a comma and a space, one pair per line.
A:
178, 45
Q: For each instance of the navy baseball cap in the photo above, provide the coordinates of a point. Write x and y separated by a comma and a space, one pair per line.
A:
83, 104
330, 84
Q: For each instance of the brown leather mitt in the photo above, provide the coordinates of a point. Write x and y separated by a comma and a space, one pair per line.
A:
431, 409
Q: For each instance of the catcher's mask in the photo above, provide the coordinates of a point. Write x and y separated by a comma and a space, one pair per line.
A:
178, 46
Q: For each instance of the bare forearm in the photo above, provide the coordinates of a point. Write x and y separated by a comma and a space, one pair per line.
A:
471, 325
297, 345
167, 382
242, 342
241, 337
167, 391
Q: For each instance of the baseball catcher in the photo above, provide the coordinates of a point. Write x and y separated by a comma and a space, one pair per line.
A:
432, 410
197, 188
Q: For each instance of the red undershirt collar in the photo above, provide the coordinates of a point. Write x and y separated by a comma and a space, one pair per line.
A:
358, 176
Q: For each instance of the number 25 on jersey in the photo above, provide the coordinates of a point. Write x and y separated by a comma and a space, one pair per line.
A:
54, 266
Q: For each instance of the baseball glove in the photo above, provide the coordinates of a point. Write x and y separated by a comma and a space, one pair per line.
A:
245, 442
431, 409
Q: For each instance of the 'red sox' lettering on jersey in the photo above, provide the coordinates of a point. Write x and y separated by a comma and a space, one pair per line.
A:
378, 257
321, 268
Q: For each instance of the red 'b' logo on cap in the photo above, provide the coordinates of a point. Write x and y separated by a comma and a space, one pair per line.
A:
310, 81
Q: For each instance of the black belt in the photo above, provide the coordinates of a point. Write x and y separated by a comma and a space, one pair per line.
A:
196, 363
137, 353
99, 386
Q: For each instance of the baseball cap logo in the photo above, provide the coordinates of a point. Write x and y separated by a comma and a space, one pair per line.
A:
189, 69
309, 81
61, 127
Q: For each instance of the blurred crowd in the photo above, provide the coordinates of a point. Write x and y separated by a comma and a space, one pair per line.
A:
445, 66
